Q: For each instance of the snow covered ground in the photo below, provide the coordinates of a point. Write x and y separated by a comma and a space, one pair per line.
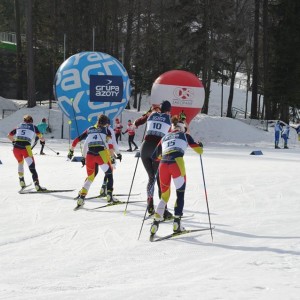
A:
48, 251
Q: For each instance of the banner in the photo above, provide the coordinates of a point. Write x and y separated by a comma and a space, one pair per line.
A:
106, 88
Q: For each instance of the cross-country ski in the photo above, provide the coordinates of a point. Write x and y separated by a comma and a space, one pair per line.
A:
153, 238
43, 191
106, 205
103, 196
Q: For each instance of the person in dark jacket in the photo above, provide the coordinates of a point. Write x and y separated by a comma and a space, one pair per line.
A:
158, 125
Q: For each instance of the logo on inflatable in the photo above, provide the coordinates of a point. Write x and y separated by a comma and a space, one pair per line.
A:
106, 88
88, 84
183, 89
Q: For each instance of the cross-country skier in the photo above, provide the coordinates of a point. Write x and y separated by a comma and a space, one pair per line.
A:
171, 165
158, 125
117, 155
99, 153
21, 137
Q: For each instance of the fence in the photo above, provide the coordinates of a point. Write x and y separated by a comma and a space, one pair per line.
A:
7, 112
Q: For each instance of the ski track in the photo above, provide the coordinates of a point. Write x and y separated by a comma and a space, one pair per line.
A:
27, 238
48, 251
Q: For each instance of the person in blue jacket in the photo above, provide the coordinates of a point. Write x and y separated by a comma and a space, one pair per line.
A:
285, 136
298, 132
42, 127
278, 130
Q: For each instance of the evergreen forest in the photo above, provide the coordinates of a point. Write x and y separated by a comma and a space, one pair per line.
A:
211, 38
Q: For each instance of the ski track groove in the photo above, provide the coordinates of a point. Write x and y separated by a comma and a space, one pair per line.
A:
24, 239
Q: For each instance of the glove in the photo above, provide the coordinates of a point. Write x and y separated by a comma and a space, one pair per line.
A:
119, 157
13, 143
123, 133
70, 154
182, 116
42, 143
200, 144
158, 158
83, 161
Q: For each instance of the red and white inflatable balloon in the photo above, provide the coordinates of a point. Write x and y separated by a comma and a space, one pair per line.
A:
183, 89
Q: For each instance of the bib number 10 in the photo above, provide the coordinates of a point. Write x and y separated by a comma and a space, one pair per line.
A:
157, 126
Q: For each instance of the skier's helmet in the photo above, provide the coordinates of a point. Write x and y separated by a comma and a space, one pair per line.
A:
28, 119
102, 120
165, 106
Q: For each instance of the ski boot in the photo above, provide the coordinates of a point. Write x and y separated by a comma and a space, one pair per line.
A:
155, 224
110, 198
22, 182
177, 226
167, 215
150, 206
38, 188
103, 191
80, 200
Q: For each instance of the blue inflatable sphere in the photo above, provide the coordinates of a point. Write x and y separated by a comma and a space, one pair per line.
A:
88, 84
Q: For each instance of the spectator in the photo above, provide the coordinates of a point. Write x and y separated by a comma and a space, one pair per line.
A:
131, 134
278, 130
42, 127
285, 136
118, 130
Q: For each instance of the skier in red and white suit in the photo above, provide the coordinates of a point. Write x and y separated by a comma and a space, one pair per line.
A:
99, 153
21, 137
173, 147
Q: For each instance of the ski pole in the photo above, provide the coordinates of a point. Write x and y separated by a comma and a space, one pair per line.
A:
57, 153
156, 174
72, 101
134, 175
143, 223
205, 192
131, 184
34, 145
